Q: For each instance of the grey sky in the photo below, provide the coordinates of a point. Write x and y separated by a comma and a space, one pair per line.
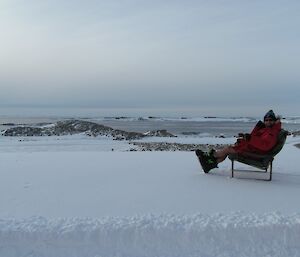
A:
224, 55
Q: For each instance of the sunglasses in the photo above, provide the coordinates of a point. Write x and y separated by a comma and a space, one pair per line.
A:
268, 120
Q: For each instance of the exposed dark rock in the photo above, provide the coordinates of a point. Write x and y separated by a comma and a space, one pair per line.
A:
8, 124
70, 127
164, 146
190, 133
121, 118
296, 133
28, 131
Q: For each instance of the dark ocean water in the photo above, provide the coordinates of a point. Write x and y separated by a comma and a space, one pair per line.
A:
203, 126
188, 127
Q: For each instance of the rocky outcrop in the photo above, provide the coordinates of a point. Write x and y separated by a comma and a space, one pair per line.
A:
22, 131
296, 133
164, 146
70, 127
8, 124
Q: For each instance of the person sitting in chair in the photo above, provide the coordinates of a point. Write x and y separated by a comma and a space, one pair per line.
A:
260, 141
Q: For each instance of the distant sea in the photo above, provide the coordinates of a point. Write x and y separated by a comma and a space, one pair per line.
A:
140, 122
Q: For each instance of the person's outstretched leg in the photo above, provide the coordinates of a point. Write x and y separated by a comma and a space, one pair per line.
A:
210, 160
221, 154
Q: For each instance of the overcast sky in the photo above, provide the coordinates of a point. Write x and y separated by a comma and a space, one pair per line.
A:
239, 57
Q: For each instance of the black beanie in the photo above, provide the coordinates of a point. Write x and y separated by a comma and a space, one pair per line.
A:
270, 114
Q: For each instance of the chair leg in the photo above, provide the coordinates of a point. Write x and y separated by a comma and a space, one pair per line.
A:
271, 169
232, 168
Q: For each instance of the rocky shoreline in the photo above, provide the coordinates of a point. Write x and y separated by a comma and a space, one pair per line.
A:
164, 146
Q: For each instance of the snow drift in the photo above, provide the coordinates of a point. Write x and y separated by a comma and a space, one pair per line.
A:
236, 234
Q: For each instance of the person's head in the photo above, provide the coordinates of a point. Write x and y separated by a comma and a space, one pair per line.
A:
269, 118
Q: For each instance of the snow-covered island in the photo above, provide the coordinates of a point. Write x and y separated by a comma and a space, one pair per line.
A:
79, 192
71, 127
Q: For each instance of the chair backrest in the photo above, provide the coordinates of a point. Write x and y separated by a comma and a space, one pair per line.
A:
280, 142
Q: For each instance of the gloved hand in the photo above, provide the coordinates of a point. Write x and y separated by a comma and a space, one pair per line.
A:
247, 136
242, 136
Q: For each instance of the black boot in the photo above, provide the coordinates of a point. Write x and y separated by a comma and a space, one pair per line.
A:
206, 161
211, 159
198, 152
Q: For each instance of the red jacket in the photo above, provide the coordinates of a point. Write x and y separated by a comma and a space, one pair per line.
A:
262, 139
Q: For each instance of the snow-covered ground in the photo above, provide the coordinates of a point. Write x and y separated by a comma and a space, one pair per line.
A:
74, 196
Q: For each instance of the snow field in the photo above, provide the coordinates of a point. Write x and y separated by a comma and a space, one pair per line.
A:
91, 203
234, 235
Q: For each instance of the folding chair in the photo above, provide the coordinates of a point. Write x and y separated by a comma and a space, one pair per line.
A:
263, 162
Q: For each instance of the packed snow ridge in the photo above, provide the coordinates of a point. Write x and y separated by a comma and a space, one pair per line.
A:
216, 235
70, 127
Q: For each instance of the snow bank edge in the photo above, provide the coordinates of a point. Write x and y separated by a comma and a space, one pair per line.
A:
232, 235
